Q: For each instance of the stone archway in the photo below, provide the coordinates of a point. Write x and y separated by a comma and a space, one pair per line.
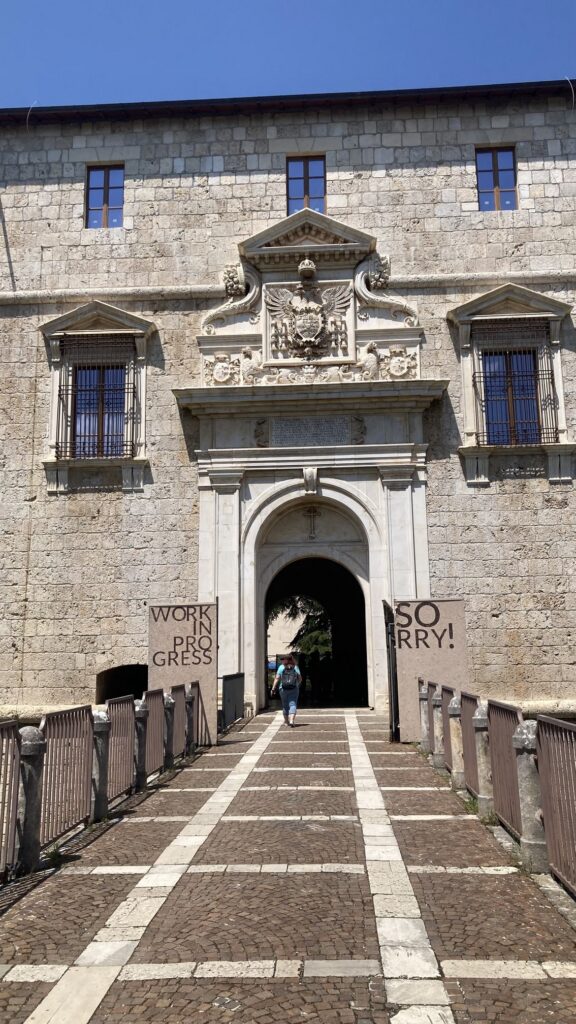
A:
341, 679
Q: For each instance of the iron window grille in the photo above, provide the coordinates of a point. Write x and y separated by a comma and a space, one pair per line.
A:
496, 179
516, 400
105, 197
306, 183
98, 408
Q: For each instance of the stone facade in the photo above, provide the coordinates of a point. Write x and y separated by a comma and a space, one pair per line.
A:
82, 566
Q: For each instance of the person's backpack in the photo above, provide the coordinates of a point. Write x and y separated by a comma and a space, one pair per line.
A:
289, 679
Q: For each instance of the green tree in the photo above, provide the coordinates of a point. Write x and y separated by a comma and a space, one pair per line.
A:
314, 635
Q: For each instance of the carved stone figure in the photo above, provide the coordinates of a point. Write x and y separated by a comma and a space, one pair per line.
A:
399, 363
371, 280
308, 320
252, 370
221, 369
242, 284
262, 433
358, 432
370, 363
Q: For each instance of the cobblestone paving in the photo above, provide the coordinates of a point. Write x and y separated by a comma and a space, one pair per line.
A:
378, 900
242, 1002
55, 922
255, 917
18, 1000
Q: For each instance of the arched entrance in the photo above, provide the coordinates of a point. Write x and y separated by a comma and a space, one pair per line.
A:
341, 678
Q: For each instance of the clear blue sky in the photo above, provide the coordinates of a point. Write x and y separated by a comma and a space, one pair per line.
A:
70, 51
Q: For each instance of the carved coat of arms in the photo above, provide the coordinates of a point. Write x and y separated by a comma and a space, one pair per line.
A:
308, 322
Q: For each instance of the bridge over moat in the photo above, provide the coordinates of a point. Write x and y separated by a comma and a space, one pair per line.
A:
320, 873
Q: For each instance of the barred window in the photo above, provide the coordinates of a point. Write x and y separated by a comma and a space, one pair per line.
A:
516, 400
97, 400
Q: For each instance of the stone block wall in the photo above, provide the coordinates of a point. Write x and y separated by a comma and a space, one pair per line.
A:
79, 569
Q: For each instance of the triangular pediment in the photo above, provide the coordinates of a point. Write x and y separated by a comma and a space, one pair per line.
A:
307, 232
510, 300
97, 318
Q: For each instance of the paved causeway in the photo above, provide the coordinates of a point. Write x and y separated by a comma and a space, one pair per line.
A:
313, 874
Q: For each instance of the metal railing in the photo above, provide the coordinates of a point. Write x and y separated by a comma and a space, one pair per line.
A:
179, 743
556, 746
155, 736
9, 772
447, 695
232, 698
122, 745
67, 771
503, 720
468, 704
431, 695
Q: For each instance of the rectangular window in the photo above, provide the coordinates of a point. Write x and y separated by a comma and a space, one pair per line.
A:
306, 183
105, 197
496, 178
514, 386
96, 400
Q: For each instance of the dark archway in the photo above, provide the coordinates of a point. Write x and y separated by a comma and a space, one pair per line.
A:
345, 680
122, 681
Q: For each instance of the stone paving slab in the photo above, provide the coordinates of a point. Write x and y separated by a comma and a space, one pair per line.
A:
198, 778
387, 776
18, 1001
257, 916
458, 843
53, 924
294, 841
326, 776
304, 760
215, 1001
513, 1002
506, 917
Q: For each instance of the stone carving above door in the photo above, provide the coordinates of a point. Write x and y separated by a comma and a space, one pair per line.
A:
309, 304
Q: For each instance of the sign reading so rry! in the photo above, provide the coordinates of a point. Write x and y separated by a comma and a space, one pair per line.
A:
183, 648
430, 642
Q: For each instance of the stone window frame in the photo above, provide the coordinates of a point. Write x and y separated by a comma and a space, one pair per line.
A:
94, 324
509, 306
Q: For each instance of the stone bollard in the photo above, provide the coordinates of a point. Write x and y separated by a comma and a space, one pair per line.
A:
100, 757
169, 705
141, 715
32, 752
485, 795
455, 720
533, 852
424, 726
438, 752
190, 708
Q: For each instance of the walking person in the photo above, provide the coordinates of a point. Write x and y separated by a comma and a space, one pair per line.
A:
287, 680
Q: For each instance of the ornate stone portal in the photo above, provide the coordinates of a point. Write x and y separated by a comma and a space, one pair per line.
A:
310, 411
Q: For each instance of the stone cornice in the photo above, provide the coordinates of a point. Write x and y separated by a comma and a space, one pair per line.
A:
262, 400
51, 296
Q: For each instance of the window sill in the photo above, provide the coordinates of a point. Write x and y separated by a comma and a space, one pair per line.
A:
57, 475
477, 460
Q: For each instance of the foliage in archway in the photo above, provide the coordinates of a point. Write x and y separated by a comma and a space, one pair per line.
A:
314, 636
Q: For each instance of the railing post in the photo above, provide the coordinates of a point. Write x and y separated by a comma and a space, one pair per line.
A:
169, 704
100, 760
32, 752
480, 723
424, 730
190, 744
141, 715
438, 752
455, 720
533, 852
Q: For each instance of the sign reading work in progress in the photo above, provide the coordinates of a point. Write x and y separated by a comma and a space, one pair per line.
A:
430, 642
183, 648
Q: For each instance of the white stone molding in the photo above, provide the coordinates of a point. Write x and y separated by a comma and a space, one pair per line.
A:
307, 234
310, 475
506, 306
92, 321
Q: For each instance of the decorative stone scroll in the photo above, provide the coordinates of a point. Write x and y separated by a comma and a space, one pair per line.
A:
243, 287
371, 279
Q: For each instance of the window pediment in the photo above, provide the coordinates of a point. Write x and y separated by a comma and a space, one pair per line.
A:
307, 233
510, 300
97, 318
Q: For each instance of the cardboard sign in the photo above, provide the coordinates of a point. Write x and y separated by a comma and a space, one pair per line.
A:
430, 642
183, 648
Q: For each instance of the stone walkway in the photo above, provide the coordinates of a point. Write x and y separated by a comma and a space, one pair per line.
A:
313, 874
